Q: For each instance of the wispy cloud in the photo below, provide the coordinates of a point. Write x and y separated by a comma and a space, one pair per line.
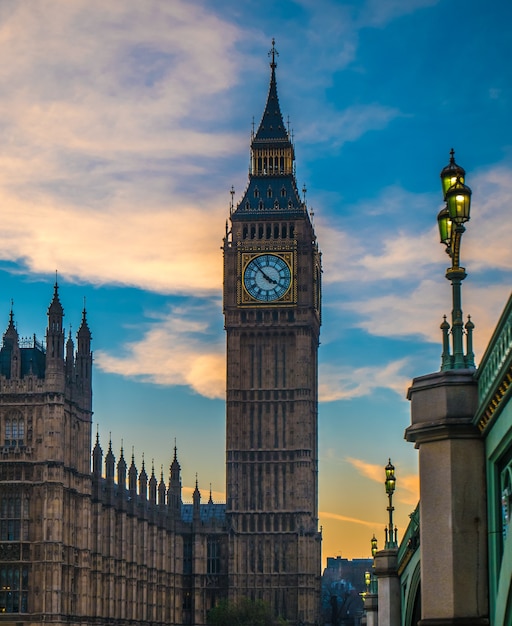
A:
409, 483
217, 496
178, 349
151, 249
338, 127
343, 383
378, 14
345, 518
107, 117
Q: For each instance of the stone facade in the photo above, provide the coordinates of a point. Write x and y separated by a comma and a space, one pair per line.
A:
272, 319
80, 547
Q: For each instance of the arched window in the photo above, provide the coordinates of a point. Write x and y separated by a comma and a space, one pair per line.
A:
14, 430
212, 556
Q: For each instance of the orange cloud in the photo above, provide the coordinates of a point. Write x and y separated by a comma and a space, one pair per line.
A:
344, 518
176, 350
409, 491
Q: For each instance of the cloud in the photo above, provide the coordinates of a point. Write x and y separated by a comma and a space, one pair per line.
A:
218, 497
108, 117
343, 383
386, 247
377, 14
178, 349
168, 251
408, 491
344, 518
339, 127
418, 313
393, 281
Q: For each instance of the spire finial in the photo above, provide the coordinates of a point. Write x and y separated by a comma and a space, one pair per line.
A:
273, 53
452, 156
231, 206
11, 313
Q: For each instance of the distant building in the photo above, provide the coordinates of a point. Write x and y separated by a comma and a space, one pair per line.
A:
343, 582
351, 570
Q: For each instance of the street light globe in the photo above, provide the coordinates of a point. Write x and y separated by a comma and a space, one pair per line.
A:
451, 174
390, 481
458, 201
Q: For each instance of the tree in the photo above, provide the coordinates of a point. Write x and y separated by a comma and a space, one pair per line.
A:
245, 612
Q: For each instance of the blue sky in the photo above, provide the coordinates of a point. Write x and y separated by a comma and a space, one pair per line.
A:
124, 126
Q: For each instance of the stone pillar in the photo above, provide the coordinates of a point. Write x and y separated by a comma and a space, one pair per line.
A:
371, 607
453, 526
386, 570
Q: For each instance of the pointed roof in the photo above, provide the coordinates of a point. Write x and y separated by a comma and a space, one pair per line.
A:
175, 466
84, 330
97, 447
143, 474
121, 464
55, 307
152, 479
272, 188
11, 334
272, 126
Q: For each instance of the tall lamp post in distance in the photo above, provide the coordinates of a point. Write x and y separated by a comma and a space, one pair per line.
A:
390, 482
451, 220
373, 580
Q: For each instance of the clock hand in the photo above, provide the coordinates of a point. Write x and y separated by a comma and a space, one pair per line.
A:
265, 276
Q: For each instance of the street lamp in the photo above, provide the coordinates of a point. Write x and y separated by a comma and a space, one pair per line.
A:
373, 542
369, 577
451, 220
390, 483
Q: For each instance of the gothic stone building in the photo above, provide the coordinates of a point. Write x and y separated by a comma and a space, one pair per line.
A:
116, 546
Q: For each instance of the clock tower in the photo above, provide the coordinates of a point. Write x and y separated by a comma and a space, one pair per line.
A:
272, 294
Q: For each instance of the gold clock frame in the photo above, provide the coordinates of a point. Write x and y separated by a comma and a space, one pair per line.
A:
289, 298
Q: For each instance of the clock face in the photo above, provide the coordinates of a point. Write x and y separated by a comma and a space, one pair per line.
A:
267, 277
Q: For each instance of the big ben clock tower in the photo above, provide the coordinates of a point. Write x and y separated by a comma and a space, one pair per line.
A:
272, 318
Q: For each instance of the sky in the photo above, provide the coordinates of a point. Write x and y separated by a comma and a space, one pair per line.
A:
124, 125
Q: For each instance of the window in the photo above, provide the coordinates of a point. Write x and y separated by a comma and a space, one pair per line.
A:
14, 434
187, 556
13, 588
14, 510
212, 556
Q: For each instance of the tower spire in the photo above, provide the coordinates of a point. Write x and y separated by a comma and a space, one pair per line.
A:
273, 53
272, 188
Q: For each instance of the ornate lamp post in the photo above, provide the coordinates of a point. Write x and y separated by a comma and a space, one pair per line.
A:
370, 580
373, 542
390, 482
451, 220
